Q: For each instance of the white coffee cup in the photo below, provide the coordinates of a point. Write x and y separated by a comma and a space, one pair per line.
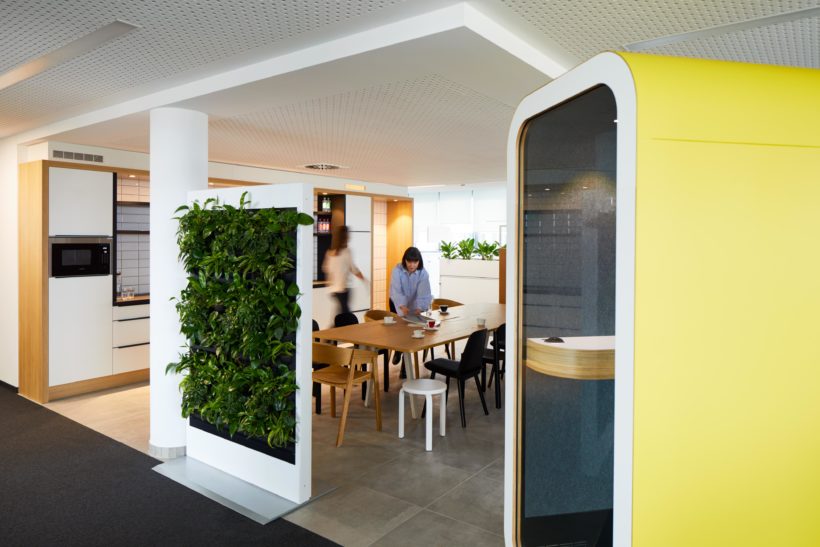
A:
480, 322
389, 319
418, 333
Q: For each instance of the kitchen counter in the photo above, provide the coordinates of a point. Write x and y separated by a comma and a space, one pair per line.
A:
137, 299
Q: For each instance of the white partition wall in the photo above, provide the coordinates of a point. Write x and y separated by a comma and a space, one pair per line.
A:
290, 481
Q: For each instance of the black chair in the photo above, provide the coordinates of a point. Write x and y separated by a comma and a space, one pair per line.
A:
342, 320
497, 371
470, 366
317, 387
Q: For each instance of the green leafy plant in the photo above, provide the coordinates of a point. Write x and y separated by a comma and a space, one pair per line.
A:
466, 248
448, 250
487, 250
239, 314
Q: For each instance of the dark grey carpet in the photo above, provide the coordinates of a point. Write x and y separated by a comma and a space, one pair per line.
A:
64, 484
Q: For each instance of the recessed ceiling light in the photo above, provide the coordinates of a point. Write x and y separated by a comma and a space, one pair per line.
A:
322, 166
324, 193
71, 50
132, 176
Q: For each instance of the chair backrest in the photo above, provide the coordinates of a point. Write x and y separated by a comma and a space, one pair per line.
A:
377, 315
391, 305
473, 355
500, 336
332, 355
364, 357
345, 319
315, 325
437, 302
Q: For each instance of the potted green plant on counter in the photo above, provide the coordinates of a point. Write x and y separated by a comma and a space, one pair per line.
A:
469, 270
239, 313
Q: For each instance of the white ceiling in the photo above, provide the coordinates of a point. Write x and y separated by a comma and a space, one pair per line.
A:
428, 101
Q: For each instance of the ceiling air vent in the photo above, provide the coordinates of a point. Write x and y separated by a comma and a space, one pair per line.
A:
322, 166
76, 156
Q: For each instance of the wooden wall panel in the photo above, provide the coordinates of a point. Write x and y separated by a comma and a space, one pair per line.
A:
399, 235
33, 281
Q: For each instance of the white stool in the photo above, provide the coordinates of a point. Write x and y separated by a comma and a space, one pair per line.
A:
428, 388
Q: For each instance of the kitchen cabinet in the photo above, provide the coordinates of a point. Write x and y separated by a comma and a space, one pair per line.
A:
130, 338
79, 328
80, 202
65, 327
358, 213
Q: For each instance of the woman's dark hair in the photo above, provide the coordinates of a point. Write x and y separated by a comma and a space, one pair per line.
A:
413, 255
339, 239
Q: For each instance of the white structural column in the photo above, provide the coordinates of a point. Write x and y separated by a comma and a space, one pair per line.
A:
179, 164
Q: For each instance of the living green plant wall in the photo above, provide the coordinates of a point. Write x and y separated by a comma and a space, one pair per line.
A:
239, 313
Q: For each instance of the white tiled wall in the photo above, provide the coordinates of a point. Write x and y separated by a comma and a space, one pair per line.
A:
379, 255
130, 217
133, 249
132, 256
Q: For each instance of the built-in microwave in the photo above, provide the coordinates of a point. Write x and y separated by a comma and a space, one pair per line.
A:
78, 256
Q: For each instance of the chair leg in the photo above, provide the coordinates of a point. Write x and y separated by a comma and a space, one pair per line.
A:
447, 393
428, 434
386, 374
461, 402
483, 385
481, 394
364, 385
332, 401
377, 394
317, 392
343, 422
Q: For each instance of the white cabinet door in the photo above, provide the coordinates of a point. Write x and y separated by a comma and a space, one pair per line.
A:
358, 216
133, 358
133, 331
80, 203
79, 328
131, 312
361, 249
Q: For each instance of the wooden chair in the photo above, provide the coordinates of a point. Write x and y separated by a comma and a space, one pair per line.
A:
344, 371
379, 315
437, 302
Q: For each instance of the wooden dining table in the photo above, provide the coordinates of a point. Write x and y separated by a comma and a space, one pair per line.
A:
457, 324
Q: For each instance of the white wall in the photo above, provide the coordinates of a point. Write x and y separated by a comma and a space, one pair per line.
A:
8, 274
452, 214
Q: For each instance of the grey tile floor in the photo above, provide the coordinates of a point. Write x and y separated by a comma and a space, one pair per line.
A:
389, 491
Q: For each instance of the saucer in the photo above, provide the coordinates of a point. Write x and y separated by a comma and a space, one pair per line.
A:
414, 336
443, 312
430, 328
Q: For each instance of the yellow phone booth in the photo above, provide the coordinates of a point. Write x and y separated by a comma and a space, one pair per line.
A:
662, 306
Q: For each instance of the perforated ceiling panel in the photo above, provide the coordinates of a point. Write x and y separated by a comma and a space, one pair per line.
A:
174, 38
587, 27
424, 130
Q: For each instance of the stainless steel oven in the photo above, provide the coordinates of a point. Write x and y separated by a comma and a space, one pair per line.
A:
79, 256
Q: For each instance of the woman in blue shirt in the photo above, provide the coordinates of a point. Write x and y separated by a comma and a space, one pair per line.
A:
410, 284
